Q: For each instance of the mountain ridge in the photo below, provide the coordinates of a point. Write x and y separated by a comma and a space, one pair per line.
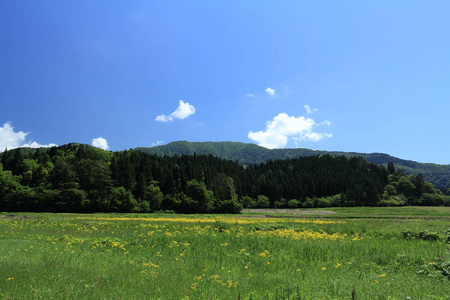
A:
248, 153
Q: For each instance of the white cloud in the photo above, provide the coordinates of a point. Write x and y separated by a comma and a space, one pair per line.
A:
163, 118
157, 143
11, 139
326, 122
249, 95
283, 127
100, 143
309, 110
314, 136
271, 92
183, 111
37, 145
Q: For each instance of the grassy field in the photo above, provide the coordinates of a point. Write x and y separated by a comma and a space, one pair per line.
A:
410, 212
356, 253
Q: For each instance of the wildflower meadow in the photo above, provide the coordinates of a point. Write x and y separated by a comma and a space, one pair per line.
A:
250, 256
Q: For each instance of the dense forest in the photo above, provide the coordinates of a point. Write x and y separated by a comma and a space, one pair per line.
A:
81, 178
247, 153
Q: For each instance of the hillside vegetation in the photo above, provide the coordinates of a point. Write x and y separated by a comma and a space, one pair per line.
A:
81, 178
243, 153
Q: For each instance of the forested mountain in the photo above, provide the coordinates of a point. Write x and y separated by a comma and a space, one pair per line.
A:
81, 178
245, 154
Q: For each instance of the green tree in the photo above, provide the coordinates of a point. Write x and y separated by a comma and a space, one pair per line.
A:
72, 200
223, 187
29, 168
419, 184
201, 199
391, 168
94, 175
293, 203
9, 185
248, 202
23, 198
123, 201
406, 187
431, 200
262, 201
226, 199
141, 184
63, 175
153, 196
281, 203
229, 207
390, 190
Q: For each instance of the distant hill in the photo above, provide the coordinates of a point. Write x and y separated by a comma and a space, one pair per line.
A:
246, 153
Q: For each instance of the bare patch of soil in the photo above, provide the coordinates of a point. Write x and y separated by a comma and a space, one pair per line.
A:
9, 217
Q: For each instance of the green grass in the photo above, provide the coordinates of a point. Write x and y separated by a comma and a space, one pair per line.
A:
161, 256
363, 212
404, 211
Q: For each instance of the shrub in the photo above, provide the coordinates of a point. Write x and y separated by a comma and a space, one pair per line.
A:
281, 203
293, 203
421, 235
248, 202
398, 200
229, 207
447, 235
436, 269
262, 201
328, 201
308, 203
446, 200
431, 200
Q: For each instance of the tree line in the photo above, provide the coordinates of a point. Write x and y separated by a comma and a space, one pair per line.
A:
81, 178
248, 153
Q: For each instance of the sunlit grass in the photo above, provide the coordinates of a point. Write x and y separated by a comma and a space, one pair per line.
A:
216, 257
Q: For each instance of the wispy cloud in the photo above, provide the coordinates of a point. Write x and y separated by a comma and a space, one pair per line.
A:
283, 127
271, 92
309, 110
163, 118
157, 143
183, 111
326, 122
100, 143
249, 95
11, 139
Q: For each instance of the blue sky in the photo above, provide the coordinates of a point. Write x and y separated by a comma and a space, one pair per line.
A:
360, 76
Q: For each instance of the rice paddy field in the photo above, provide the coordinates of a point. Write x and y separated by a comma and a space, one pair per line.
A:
339, 253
